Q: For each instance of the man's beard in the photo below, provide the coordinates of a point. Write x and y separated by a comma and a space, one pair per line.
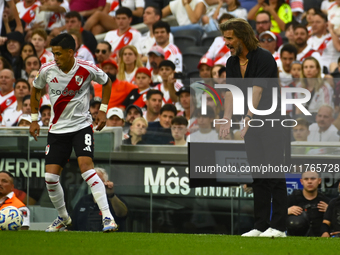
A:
238, 50
154, 65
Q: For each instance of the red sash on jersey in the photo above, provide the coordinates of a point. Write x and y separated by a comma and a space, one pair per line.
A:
123, 42
62, 100
224, 50
141, 100
7, 103
114, 5
191, 125
308, 54
30, 14
55, 17
323, 45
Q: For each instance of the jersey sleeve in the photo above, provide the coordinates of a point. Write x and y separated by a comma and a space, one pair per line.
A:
139, 3
98, 74
40, 79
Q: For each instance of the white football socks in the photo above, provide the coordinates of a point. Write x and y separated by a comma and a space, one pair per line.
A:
56, 194
98, 192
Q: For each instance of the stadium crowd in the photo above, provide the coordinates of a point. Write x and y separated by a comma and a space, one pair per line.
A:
151, 97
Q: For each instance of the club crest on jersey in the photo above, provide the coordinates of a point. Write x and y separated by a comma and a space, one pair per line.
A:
8, 102
47, 150
79, 79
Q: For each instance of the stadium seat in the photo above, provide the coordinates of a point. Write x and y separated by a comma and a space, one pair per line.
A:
195, 49
191, 60
193, 74
184, 41
209, 39
195, 33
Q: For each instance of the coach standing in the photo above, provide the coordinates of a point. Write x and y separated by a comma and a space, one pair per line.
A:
264, 145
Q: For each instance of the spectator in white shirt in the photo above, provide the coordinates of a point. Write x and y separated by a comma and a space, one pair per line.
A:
82, 52
323, 130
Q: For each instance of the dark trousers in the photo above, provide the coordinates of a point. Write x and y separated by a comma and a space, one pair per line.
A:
265, 146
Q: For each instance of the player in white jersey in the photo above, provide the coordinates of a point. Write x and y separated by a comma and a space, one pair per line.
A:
69, 80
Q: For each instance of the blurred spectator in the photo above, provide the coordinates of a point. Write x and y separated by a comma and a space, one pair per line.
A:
8, 198
306, 207
295, 71
32, 76
280, 12
325, 5
137, 130
309, 19
233, 7
27, 11
268, 41
39, 38
4, 64
25, 120
45, 113
289, 34
218, 51
204, 67
137, 96
322, 42
87, 7
301, 130
336, 46
31, 63
26, 105
115, 117
132, 112
27, 49
169, 86
86, 215
334, 16
155, 56
178, 130
161, 31
154, 100
187, 13
152, 14
304, 50
12, 53
187, 99
81, 52
128, 64
205, 130
323, 130
11, 114
124, 35
297, 9
109, 67
73, 20
103, 52
288, 55
215, 70
330, 225
264, 23
159, 132
7, 97
94, 109
104, 20
311, 79
10, 18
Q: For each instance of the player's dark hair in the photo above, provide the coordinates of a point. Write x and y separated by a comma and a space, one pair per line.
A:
169, 108
301, 26
73, 14
161, 24
153, 92
24, 81
124, 10
156, 10
107, 44
179, 120
65, 41
289, 48
9, 174
224, 16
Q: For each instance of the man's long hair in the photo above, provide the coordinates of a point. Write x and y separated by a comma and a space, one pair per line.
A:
243, 31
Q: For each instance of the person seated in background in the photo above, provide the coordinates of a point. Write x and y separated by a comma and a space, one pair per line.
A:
233, 7
27, 11
25, 120
81, 51
45, 112
39, 39
103, 52
132, 112
330, 225
301, 130
138, 96
155, 56
178, 130
154, 100
280, 13
137, 130
124, 35
188, 13
94, 109
7, 98
11, 20
204, 67
268, 42
115, 117
8, 198
159, 132
129, 62
205, 130
31, 63
86, 215
306, 207
104, 20
26, 104
11, 52
323, 130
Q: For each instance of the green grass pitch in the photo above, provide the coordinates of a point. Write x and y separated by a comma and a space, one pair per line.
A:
79, 243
